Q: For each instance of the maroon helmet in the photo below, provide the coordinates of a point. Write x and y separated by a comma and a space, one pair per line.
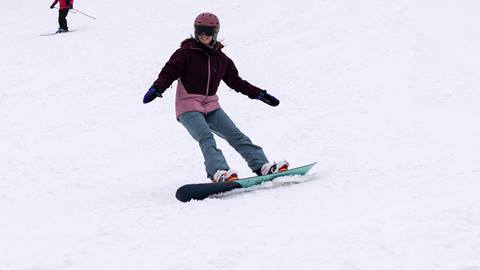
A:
207, 19
207, 23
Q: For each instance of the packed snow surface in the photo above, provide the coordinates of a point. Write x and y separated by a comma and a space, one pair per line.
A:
384, 95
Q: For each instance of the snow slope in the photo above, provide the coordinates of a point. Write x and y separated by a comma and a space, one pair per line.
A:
383, 94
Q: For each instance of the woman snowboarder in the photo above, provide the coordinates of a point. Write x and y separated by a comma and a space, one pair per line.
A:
199, 65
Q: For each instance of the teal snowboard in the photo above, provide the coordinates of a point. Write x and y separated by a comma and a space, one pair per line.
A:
201, 191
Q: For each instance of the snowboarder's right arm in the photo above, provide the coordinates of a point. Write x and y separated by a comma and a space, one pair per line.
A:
172, 70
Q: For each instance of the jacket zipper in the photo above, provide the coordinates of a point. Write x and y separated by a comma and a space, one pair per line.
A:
208, 65
209, 75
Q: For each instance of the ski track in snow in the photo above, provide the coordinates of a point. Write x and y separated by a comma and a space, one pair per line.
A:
383, 94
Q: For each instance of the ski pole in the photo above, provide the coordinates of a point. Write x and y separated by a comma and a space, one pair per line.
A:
84, 14
76, 11
72, 11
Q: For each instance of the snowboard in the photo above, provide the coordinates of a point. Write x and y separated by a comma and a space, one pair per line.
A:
203, 190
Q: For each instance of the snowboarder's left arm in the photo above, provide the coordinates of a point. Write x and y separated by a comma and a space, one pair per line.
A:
233, 80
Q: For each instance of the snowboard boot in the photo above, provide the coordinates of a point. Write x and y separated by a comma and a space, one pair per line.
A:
276, 167
225, 176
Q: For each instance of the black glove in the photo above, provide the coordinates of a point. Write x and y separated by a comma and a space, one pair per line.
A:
267, 98
151, 94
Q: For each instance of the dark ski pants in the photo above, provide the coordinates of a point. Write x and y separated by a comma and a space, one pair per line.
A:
202, 127
62, 18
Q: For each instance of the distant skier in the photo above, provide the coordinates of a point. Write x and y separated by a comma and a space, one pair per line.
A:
65, 6
200, 65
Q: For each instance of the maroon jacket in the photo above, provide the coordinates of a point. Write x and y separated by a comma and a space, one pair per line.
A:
64, 4
200, 70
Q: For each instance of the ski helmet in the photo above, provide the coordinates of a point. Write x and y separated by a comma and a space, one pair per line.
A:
208, 24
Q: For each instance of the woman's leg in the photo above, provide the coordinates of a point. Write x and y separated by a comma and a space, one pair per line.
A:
224, 127
197, 126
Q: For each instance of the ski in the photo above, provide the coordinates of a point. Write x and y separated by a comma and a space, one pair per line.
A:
203, 190
55, 33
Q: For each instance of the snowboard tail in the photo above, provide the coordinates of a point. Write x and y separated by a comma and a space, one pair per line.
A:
203, 190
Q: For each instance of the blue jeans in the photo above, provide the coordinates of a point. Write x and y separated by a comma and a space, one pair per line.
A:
202, 127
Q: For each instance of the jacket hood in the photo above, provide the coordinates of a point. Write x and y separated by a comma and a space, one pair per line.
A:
191, 43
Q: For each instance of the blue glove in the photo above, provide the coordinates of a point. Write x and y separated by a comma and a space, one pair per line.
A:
267, 98
151, 94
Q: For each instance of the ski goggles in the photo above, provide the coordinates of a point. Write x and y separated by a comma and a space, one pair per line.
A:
207, 30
